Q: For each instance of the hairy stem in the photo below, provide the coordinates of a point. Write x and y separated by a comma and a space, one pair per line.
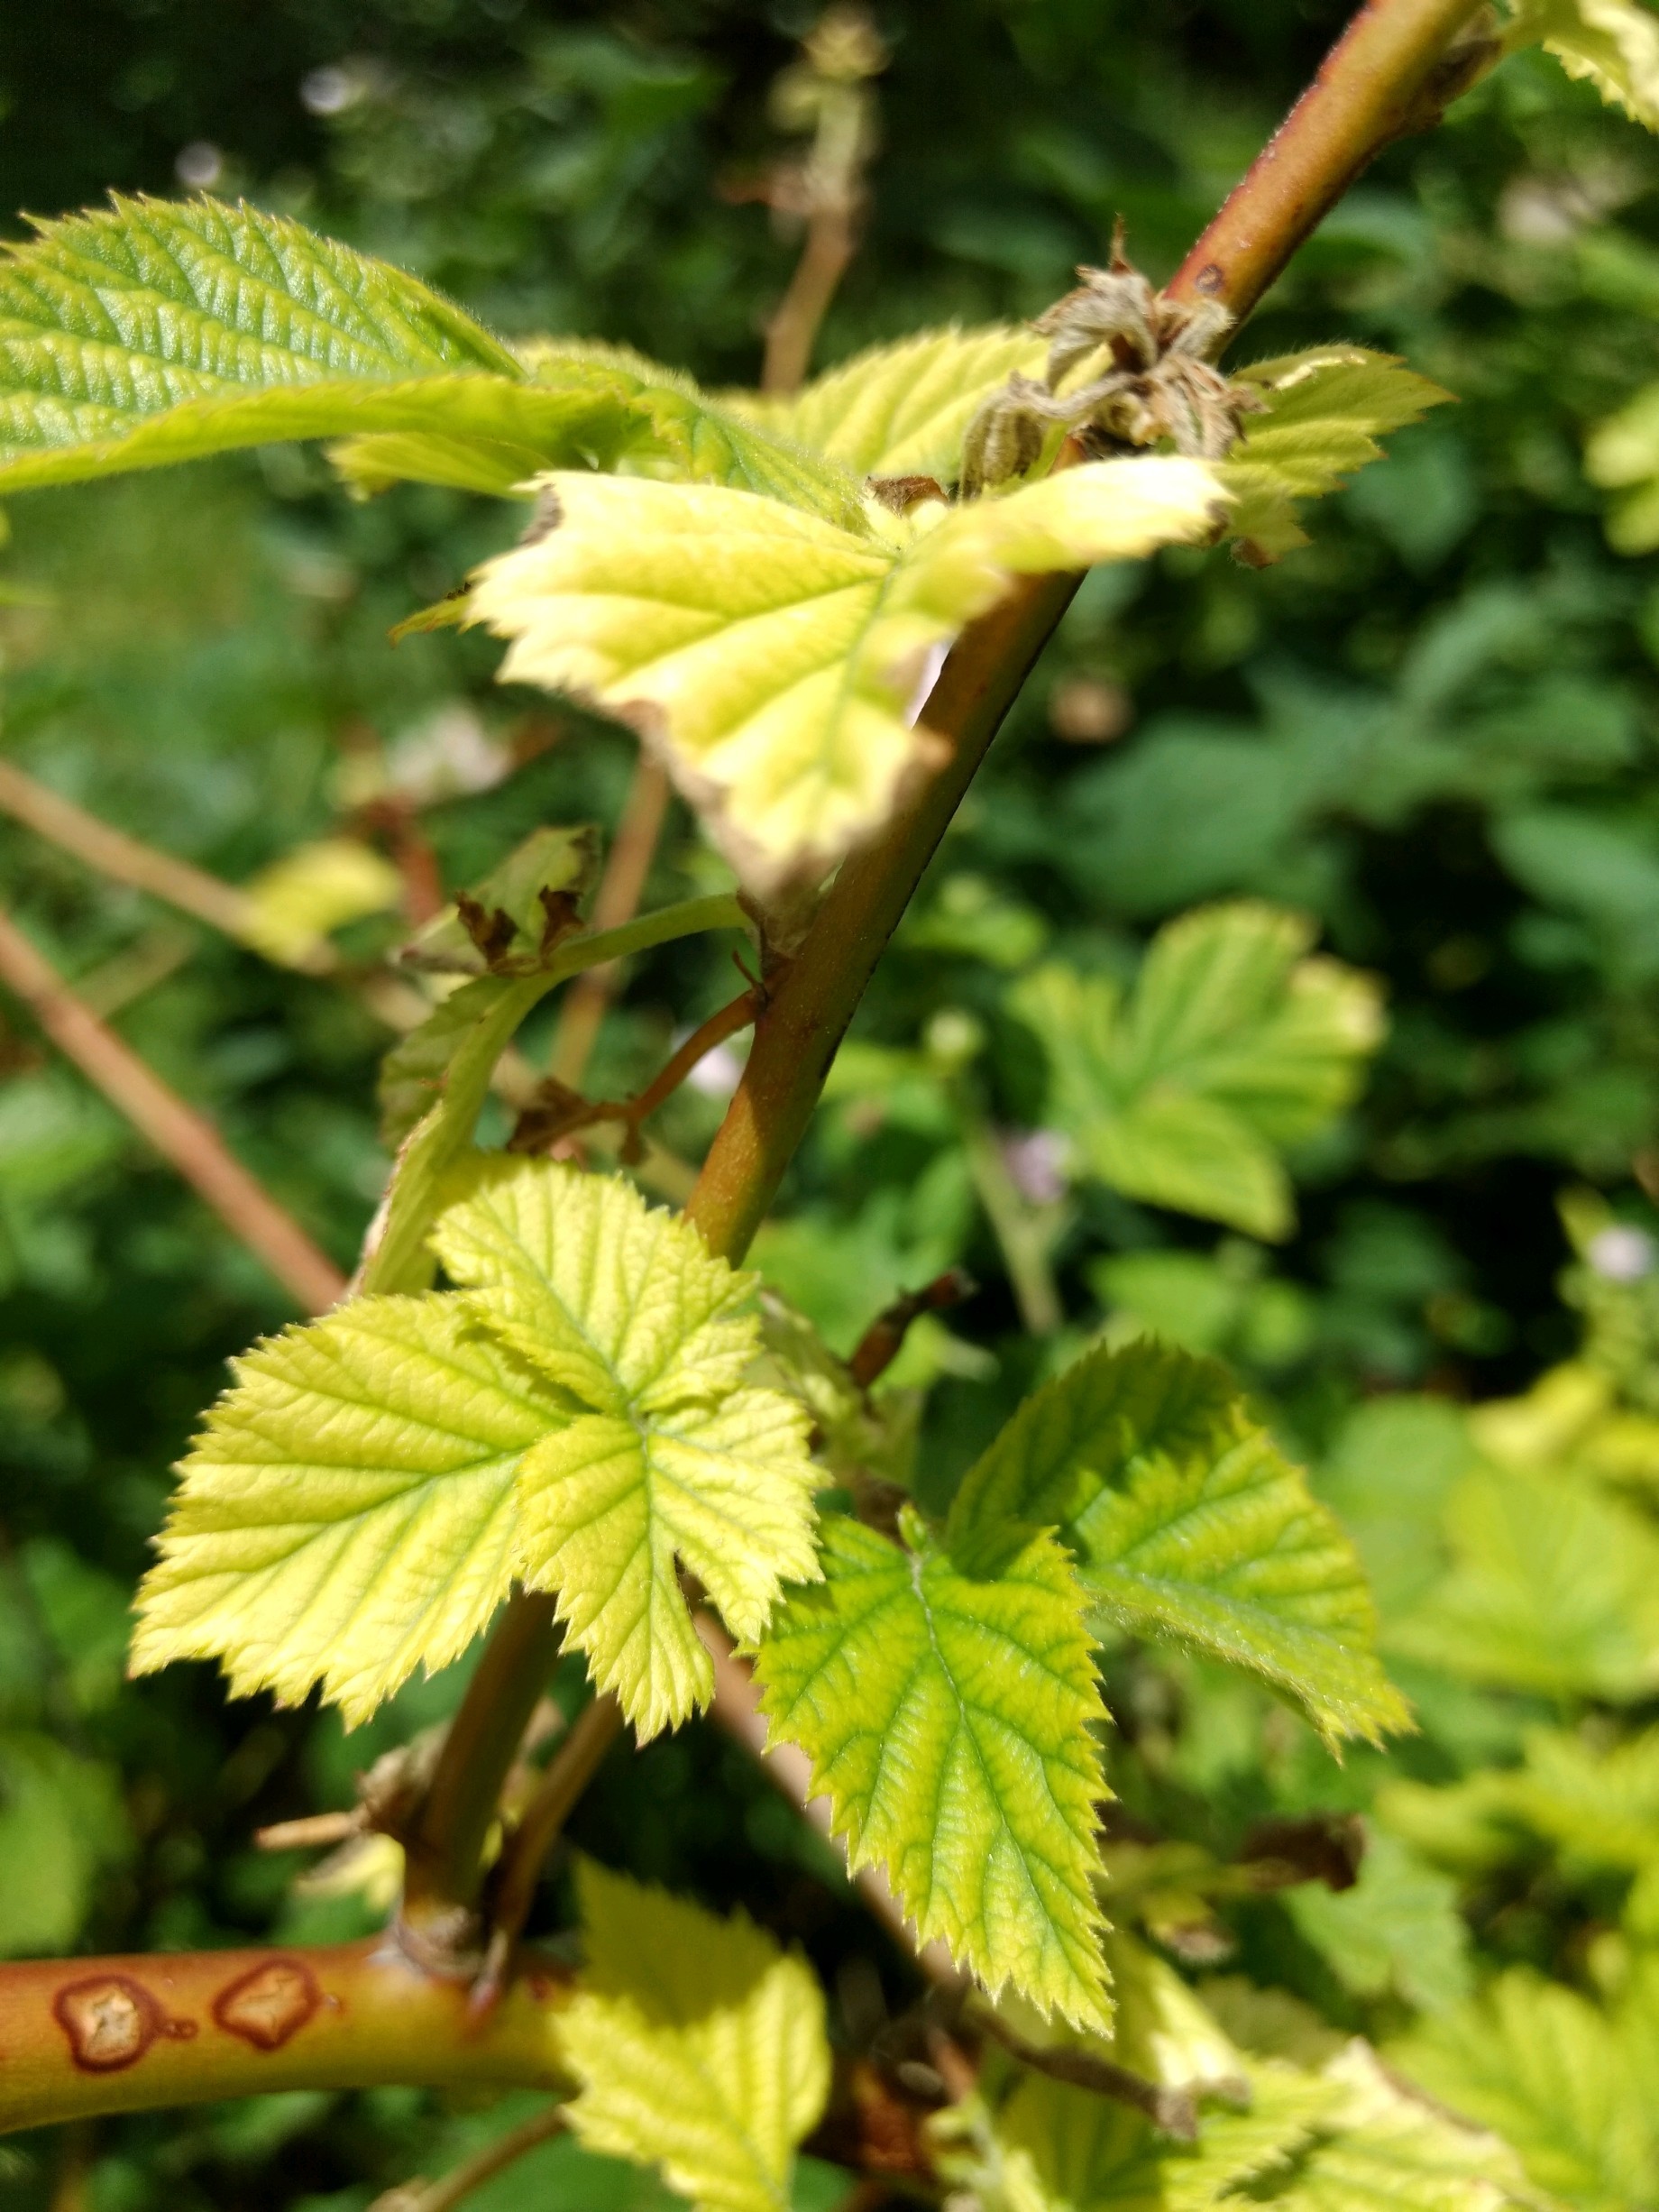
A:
184, 1137
1396, 66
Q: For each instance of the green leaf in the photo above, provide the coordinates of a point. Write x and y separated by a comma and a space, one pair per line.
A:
62, 1822
1553, 1588
556, 864
1323, 413
1623, 455
1380, 2149
1231, 1044
157, 332
1052, 2147
1188, 1523
1615, 43
137, 335
666, 1460
293, 904
699, 2045
1549, 2073
947, 1704
901, 411
433, 1081
348, 1511
856, 1433
1398, 1932
609, 409
775, 658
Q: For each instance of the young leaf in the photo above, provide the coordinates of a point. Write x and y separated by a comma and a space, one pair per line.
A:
348, 1511
1553, 1588
1547, 2071
947, 1704
772, 658
511, 906
606, 408
699, 2045
434, 1081
293, 903
156, 332
1615, 43
1187, 1523
1379, 2145
1057, 2149
111, 323
1398, 1931
1323, 413
901, 411
1231, 1044
668, 1460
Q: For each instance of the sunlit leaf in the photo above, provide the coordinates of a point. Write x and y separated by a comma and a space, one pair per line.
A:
1187, 1523
699, 2045
776, 661
1052, 2147
293, 903
901, 411
947, 1704
1553, 1588
1323, 413
666, 1460
1233, 1044
1549, 2073
348, 1511
1615, 43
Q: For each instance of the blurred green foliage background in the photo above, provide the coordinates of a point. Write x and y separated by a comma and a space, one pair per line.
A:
1434, 732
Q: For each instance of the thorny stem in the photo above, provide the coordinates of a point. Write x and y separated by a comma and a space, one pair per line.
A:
1377, 82
185, 1138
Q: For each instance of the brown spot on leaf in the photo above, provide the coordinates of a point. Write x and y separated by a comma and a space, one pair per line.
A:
268, 2005
110, 2021
1210, 279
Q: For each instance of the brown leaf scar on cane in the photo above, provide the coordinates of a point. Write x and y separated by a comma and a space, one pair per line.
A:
110, 2021
268, 2005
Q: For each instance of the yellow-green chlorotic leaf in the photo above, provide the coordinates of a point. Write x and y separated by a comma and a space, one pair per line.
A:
901, 411
778, 662
1322, 412
1555, 2076
1553, 1587
663, 1459
1052, 2147
1232, 1045
700, 2046
947, 1706
348, 1512
1187, 1523
1615, 43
